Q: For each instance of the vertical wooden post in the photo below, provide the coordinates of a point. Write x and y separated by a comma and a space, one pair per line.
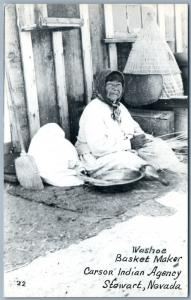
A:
97, 30
61, 81
7, 122
9, 119
161, 19
109, 30
141, 14
44, 69
13, 63
134, 17
185, 27
25, 15
29, 75
86, 51
58, 53
41, 11
178, 28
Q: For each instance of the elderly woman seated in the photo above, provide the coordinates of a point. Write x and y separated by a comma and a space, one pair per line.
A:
109, 139
110, 144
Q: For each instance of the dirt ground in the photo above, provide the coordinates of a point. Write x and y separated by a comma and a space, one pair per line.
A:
61, 274
34, 229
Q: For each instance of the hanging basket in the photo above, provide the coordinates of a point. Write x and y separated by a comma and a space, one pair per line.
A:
150, 58
142, 89
150, 53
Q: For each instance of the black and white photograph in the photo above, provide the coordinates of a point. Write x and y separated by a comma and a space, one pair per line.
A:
96, 150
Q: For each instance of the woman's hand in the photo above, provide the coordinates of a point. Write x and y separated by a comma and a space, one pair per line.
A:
138, 141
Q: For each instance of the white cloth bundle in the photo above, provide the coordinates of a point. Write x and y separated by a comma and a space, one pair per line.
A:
55, 156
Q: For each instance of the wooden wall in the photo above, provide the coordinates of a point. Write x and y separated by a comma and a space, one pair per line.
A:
52, 69
13, 61
41, 43
171, 18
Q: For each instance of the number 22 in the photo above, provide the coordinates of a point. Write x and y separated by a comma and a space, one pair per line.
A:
21, 283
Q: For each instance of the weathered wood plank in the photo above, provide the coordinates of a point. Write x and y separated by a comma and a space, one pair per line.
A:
169, 21
30, 82
14, 65
130, 39
45, 72
113, 56
52, 23
63, 10
149, 8
181, 119
59, 23
185, 27
178, 27
86, 51
9, 120
25, 16
97, 34
170, 26
178, 102
29, 74
161, 19
109, 31
73, 64
133, 14
7, 147
61, 81
119, 13
154, 122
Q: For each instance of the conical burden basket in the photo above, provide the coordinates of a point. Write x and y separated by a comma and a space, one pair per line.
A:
151, 55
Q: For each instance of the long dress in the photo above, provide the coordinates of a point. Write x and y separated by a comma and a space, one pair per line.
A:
104, 143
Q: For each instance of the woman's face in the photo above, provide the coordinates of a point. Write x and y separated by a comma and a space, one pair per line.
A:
114, 90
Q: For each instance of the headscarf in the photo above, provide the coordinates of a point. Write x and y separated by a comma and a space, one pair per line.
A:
100, 90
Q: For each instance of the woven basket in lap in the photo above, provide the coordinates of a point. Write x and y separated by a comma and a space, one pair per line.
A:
151, 55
